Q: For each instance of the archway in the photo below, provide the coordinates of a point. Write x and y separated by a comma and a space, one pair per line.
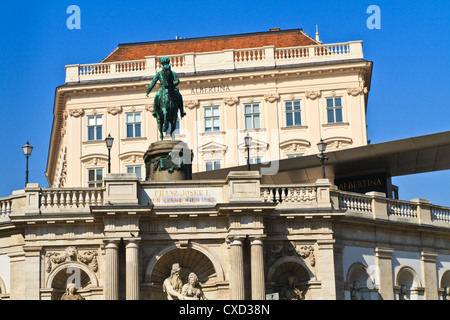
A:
71, 272
408, 285
360, 273
291, 266
194, 258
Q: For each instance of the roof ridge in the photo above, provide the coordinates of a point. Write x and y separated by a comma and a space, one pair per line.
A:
300, 30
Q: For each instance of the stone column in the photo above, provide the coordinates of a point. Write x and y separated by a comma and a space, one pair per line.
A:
132, 269
237, 269
384, 265
32, 272
429, 275
112, 270
326, 266
257, 265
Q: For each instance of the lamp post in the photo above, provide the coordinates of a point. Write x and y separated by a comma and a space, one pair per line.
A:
109, 142
248, 142
322, 157
27, 149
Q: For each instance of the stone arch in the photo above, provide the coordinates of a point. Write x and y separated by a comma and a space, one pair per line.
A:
444, 285
445, 279
58, 278
361, 273
408, 278
193, 258
288, 266
2, 287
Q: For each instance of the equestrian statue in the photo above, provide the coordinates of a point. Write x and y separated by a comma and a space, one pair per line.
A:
168, 100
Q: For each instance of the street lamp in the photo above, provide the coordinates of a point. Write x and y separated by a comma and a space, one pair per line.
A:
109, 142
27, 149
322, 157
248, 142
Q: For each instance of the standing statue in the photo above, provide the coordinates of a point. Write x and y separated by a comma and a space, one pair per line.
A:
173, 285
168, 99
71, 293
355, 292
290, 292
192, 290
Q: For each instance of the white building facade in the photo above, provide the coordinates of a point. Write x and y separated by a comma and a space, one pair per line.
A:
116, 236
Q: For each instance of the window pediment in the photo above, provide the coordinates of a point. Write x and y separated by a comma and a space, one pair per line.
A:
295, 145
213, 148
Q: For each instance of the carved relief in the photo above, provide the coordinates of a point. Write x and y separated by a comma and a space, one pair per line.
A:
192, 104
273, 253
149, 107
313, 94
271, 97
230, 101
115, 110
76, 113
355, 91
71, 254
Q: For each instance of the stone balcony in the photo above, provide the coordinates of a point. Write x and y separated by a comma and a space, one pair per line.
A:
209, 197
225, 61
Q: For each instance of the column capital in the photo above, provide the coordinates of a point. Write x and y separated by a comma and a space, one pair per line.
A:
236, 240
384, 253
111, 242
257, 240
428, 256
129, 242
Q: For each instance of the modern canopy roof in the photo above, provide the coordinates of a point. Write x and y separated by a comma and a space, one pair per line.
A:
396, 158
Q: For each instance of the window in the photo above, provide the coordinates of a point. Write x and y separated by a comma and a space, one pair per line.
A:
212, 119
95, 178
334, 110
252, 116
212, 165
95, 128
255, 160
135, 169
293, 113
133, 121
297, 155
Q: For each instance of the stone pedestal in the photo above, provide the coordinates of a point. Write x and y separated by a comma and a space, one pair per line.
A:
169, 160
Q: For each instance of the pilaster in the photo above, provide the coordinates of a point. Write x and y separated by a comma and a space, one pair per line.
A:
429, 275
384, 265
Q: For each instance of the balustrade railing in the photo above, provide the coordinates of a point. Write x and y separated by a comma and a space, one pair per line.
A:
402, 209
441, 214
289, 194
291, 53
76, 198
5, 207
249, 55
355, 202
220, 60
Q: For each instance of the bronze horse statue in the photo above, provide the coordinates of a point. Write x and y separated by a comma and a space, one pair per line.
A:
168, 99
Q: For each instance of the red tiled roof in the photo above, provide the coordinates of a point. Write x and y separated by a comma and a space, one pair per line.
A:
277, 38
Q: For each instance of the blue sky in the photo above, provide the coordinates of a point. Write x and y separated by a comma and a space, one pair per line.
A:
408, 95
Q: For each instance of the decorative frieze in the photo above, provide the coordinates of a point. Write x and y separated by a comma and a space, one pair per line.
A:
273, 253
76, 113
71, 254
271, 97
313, 94
230, 101
115, 110
191, 104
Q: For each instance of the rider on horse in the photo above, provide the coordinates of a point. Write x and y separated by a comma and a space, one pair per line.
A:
168, 99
